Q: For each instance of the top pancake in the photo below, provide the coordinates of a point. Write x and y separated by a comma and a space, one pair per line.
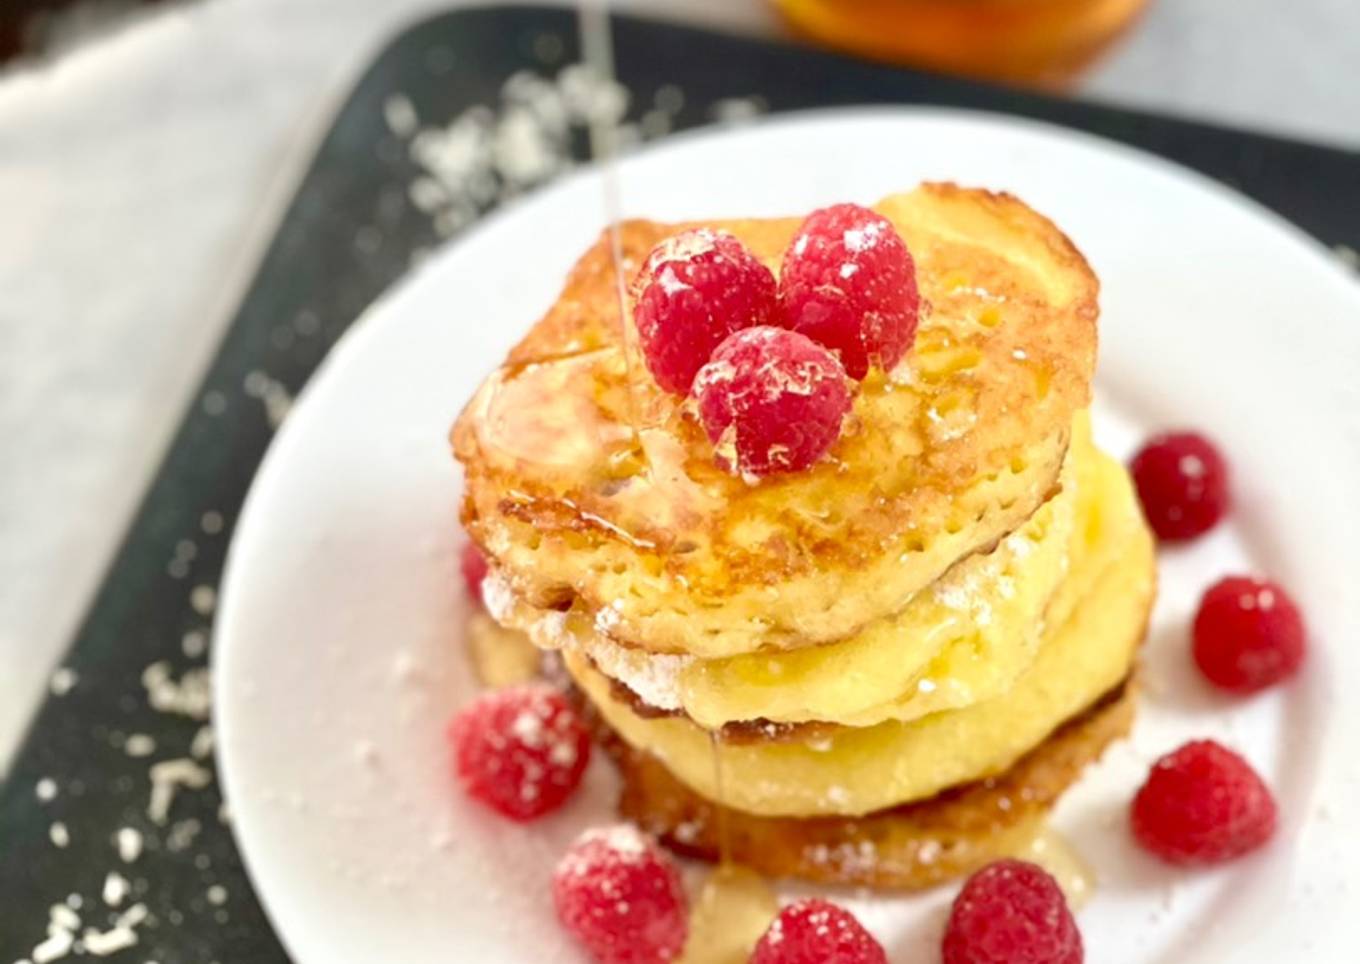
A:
594, 490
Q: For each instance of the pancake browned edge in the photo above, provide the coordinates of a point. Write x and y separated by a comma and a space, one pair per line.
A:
910, 847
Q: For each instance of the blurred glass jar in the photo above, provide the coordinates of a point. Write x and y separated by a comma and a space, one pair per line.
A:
1042, 43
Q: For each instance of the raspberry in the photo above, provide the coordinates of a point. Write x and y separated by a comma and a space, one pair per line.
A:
520, 750
1248, 634
474, 567
771, 401
693, 291
848, 281
621, 897
816, 931
1011, 912
1202, 804
1183, 484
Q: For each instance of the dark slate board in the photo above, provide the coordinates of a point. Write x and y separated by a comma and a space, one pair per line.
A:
314, 280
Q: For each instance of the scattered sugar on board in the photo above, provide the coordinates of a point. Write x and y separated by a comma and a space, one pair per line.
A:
57, 946
182, 834
203, 599
488, 154
194, 643
189, 696
120, 936
64, 922
166, 779
202, 745
211, 522
45, 790
58, 834
214, 402
139, 745
63, 681
186, 550
270, 392
129, 843
400, 115
63, 917
116, 888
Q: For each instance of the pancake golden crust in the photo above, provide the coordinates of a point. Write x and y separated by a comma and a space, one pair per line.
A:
872, 675
853, 771
590, 494
908, 847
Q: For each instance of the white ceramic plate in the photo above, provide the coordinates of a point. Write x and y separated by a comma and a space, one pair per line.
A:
338, 657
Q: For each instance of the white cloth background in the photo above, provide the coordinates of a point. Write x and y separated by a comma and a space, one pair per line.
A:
141, 173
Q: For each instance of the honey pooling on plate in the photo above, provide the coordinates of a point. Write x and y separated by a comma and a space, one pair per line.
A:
733, 907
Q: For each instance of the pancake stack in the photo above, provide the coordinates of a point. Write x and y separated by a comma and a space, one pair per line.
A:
883, 670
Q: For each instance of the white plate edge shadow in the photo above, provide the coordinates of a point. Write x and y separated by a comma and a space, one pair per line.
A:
506, 219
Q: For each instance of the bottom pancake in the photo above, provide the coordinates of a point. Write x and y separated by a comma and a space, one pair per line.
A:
908, 847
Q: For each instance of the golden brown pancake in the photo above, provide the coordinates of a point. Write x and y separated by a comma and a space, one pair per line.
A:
591, 488
909, 847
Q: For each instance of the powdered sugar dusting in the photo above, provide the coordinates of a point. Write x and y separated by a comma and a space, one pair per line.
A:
852, 858
498, 597
549, 631
863, 238
621, 839
654, 677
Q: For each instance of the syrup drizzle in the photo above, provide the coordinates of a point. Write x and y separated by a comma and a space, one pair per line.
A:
597, 50
720, 804
735, 904
1051, 851
730, 913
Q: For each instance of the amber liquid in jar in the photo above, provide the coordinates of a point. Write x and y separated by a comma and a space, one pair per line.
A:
1039, 43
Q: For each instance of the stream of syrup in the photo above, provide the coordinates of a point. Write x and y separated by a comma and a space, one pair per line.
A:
720, 803
1051, 851
597, 50
735, 905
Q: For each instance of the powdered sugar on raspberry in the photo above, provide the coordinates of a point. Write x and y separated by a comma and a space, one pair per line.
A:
817, 931
849, 283
861, 239
771, 401
521, 751
695, 289
621, 896
623, 839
